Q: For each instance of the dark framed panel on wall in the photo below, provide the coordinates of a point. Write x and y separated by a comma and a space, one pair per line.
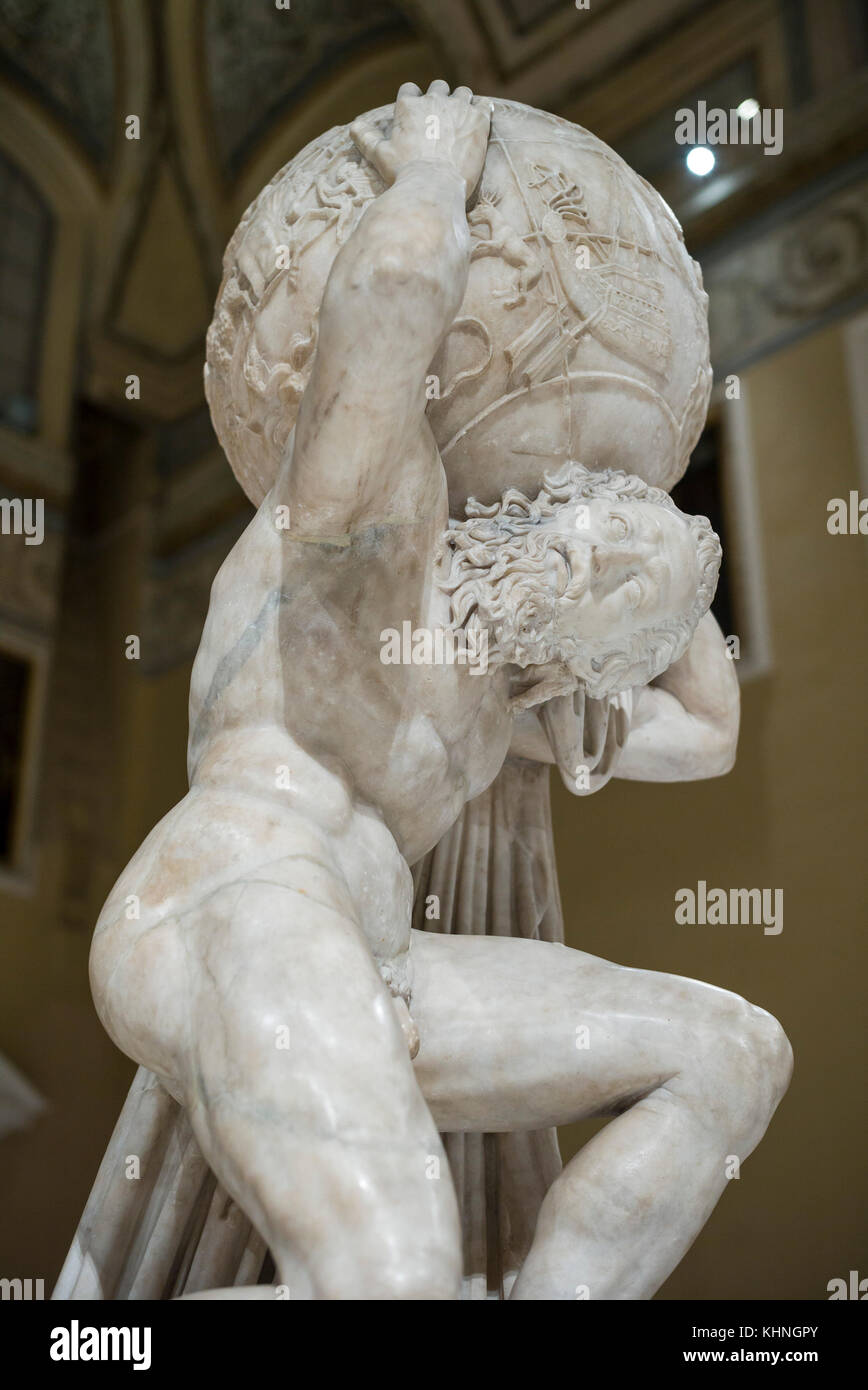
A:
23, 663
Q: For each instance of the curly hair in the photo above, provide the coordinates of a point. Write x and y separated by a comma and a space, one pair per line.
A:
497, 568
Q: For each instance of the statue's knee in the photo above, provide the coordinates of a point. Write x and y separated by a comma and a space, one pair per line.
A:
747, 1066
776, 1050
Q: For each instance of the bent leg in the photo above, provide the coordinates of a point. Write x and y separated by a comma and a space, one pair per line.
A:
302, 1094
291, 1062
525, 1034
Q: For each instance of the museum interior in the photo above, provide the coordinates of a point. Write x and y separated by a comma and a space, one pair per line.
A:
133, 135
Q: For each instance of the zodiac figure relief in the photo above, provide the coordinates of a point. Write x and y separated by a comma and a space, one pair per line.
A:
504, 241
343, 190
605, 283
285, 380
565, 204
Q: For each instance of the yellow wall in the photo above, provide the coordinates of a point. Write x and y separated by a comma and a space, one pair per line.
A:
49, 1027
791, 815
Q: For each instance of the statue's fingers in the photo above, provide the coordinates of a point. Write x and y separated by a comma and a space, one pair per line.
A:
408, 1026
366, 137
438, 88
463, 94
409, 89
362, 124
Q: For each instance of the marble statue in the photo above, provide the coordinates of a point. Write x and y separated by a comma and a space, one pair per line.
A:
458, 358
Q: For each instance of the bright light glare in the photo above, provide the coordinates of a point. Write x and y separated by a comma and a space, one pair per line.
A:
700, 161
748, 108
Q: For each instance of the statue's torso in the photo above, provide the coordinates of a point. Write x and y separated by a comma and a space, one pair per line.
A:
293, 643
312, 763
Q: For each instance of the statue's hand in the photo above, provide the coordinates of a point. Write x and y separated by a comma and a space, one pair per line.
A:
429, 126
685, 723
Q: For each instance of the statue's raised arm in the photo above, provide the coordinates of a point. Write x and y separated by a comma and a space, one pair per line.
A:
363, 448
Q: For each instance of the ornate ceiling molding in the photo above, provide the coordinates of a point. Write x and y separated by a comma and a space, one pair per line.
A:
802, 269
261, 61
361, 87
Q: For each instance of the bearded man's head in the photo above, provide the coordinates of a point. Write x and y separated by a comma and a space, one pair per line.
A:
600, 573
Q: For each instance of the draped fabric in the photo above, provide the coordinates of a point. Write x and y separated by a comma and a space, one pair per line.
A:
168, 1231
494, 874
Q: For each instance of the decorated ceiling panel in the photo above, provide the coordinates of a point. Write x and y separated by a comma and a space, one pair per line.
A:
261, 59
63, 53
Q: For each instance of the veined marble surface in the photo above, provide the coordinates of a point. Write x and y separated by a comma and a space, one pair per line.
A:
459, 298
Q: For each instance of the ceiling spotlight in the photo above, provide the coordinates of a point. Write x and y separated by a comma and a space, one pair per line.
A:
700, 161
748, 108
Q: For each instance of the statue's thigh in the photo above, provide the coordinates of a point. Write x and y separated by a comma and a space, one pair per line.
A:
282, 987
302, 1094
518, 1034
